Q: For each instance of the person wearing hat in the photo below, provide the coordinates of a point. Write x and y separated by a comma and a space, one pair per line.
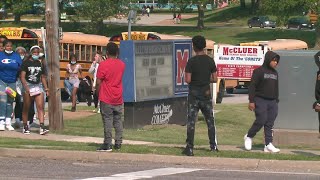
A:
10, 63
32, 75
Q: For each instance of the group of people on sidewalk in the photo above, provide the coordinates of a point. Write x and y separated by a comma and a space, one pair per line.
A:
23, 80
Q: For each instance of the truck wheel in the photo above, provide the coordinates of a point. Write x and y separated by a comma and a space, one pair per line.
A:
221, 92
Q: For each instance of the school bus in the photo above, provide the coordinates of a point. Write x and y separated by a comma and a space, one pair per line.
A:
140, 35
273, 45
84, 46
20, 36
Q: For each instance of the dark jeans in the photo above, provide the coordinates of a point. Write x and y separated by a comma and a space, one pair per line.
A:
111, 118
319, 120
205, 105
266, 113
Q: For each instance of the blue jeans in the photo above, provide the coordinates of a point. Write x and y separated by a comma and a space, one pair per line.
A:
6, 102
68, 86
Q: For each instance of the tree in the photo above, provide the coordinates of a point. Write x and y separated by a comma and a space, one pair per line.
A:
97, 10
282, 9
243, 4
19, 7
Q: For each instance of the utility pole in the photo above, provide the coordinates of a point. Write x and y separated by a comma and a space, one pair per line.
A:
52, 26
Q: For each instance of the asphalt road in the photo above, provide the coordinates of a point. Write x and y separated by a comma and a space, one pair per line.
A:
26, 168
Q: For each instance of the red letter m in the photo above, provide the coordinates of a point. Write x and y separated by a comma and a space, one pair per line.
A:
182, 59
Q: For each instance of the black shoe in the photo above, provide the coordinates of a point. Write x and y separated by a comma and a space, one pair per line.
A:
117, 146
73, 109
188, 151
105, 148
214, 149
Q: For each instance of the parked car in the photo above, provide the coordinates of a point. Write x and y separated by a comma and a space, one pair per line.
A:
261, 21
299, 23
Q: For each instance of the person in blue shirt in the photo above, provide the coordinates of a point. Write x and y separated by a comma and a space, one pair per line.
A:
10, 63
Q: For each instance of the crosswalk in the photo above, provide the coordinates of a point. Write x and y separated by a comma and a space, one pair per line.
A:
146, 174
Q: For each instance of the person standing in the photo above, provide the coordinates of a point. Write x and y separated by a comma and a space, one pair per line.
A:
72, 79
317, 88
263, 100
10, 63
200, 71
110, 89
34, 84
19, 100
98, 58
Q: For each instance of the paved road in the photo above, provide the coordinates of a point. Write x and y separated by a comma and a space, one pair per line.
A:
32, 168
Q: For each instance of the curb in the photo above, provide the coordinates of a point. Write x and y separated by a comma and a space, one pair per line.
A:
310, 167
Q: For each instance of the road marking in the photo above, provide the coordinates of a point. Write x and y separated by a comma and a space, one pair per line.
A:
146, 174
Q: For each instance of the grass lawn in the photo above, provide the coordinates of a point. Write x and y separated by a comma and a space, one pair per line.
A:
232, 122
138, 149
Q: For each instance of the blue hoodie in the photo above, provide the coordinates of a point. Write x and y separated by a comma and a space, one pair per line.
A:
9, 66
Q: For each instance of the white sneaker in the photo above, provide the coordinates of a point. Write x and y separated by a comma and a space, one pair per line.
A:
247, 142
9, 127
2, 127
271, 148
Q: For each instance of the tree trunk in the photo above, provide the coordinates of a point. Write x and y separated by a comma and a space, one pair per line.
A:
100, 26
200, 16
55, 106
17, 18
242, 4
317, 45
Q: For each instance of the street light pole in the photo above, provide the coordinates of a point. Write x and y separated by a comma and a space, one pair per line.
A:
131, 16
52, 35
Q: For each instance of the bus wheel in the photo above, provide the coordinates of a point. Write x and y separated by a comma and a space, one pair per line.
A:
221, 92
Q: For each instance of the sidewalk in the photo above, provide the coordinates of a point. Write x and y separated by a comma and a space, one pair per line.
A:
84, 139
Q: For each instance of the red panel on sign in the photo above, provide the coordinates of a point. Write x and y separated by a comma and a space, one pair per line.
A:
235, 71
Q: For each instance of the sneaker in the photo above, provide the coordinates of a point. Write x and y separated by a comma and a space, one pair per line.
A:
43, 131
271, 148
105, 148
117, 146
98, 111
188, 151
25, 130
214, 149
247, 143
9, 127
2, 127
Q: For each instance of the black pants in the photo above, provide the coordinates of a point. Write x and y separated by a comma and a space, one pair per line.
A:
194, 104
319, 120
266, 113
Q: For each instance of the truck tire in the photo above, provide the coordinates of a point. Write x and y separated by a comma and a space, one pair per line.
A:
220, 94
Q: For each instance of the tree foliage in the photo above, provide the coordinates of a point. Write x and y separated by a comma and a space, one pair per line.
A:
19, 7
98, 10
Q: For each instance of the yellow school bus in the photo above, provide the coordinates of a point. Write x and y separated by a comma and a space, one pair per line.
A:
84, 46
20, 36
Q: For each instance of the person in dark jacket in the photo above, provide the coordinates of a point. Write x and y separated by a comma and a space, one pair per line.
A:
263, 100
317, 89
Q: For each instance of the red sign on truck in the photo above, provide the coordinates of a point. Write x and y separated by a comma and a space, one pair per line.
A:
237, 62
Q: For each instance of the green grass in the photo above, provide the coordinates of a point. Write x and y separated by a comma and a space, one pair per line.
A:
232, 123
138, 149
228, 17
